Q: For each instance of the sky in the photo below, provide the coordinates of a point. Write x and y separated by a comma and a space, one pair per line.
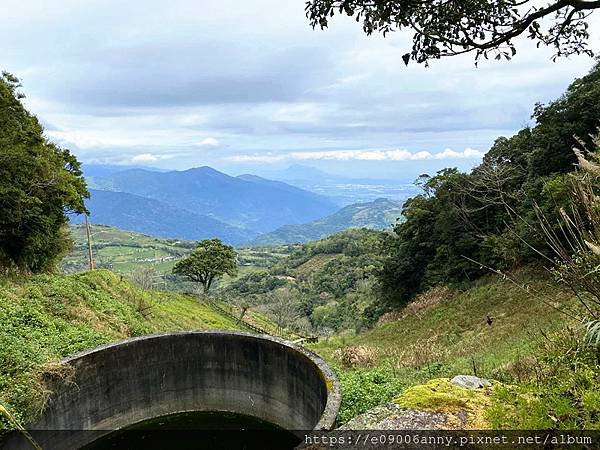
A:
249, 86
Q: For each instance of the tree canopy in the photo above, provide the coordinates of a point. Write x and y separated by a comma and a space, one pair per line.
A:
452, 27
210, 260
491, 214
39, 184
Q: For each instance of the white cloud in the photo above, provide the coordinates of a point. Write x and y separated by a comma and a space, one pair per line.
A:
209, 142
302, 94
145, 158
79, 139
359, 155
451, 154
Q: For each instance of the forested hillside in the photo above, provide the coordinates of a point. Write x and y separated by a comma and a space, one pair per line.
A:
378, 215
491, 216
324, 286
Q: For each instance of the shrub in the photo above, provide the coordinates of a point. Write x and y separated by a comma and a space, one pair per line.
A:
364, 389
564, 393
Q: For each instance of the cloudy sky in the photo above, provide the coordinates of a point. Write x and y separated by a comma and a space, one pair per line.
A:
248, 86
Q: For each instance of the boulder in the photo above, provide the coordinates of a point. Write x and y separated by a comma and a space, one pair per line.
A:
470, 382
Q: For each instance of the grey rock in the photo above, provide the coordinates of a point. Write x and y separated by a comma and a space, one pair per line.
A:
470, 382
394, 417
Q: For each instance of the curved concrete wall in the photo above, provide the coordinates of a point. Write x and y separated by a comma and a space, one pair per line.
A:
142, 378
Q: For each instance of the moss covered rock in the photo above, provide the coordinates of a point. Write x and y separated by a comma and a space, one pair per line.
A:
466, 408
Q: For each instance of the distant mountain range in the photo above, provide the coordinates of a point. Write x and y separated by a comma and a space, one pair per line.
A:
379, 214
299, 174
344, 190
145, 215
198, 203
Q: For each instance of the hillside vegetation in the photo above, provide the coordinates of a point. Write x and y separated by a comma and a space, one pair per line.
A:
46, 317
377, 215
492, 214
133, 254
123, 251
444, 333
327, 286
39, 183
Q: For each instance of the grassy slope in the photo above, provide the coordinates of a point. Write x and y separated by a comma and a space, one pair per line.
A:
447, 339
44, 318
125, 251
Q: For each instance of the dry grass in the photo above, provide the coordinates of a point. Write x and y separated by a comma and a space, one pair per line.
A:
357, 356
47, 375
422, 303
419, 354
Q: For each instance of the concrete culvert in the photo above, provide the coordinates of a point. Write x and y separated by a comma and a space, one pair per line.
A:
130, 382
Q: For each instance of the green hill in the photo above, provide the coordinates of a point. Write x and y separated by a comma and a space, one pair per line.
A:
378, 215
46, 317
123, 251
126, 252
445, 333
331, 281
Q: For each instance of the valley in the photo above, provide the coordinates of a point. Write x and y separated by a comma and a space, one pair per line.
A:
201, 199
245, 210
339, 293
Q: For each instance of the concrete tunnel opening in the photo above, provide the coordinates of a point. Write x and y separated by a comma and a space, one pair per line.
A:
134, 381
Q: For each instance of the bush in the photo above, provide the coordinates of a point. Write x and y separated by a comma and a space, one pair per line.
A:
40, 183
563, 393
364, 389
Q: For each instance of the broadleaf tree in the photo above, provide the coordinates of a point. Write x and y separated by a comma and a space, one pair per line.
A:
486, 28
210, 260
39, 184
491, 215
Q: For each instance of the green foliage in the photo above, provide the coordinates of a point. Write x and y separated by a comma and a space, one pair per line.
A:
563, 393
333, 280
40, 182
210, 260
363, 389
491, 215
593, 333
46, 317
453, 27
258, 282
428, 248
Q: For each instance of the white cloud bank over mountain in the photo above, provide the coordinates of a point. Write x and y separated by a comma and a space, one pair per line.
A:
359, 155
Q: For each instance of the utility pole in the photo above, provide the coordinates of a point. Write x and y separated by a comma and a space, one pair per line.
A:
89, 239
